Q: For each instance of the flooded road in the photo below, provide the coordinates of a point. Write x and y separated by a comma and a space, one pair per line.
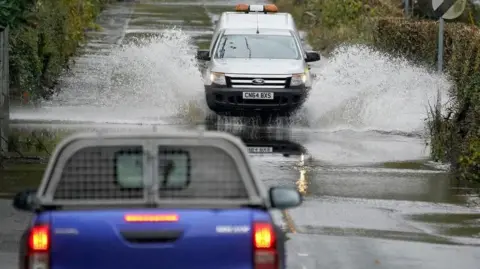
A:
372, 198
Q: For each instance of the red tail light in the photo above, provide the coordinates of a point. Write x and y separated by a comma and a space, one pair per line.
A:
38, 248
265, 255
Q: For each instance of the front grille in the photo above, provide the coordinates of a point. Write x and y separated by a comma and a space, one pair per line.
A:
267, 82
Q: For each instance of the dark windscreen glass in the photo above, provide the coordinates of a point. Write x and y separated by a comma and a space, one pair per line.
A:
257, 47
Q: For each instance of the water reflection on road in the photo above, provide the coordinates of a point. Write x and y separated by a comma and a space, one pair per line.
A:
372, 199
410, 203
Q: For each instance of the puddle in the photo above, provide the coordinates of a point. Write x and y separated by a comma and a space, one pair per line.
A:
149, 22
15, 177
383, 183
447, 218
160, 31
468, 232
186, 13
217, 10
29, 151
372, 233
156, 27
415, 165
199, 40
454, 225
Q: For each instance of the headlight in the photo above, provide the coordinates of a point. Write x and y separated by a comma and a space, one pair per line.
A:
218, 78
298, 79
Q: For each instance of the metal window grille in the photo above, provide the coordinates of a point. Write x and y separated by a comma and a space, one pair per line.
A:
116, 172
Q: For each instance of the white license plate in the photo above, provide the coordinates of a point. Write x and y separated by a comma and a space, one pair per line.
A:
260, 149
258, 95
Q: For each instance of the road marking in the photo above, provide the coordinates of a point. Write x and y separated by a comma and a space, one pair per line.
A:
289, 221
302, 254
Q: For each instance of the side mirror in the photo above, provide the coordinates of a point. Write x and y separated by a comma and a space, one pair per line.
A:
203, 55
312, 57
25, 200
283, 197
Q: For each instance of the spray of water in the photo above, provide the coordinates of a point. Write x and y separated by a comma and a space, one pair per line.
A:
361, 89
149, 81
156, 79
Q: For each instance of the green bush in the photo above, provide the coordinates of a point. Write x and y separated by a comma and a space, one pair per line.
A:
334, 22
464, 146
411, 39
13, 12
42, 42
454, 138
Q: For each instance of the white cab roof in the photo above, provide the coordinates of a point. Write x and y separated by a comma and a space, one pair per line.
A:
253, 31
239, 20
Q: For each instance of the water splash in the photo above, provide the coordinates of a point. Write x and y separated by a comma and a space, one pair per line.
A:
148, 81
154, 80
361, 89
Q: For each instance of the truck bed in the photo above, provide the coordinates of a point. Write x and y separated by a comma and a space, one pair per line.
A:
153, 238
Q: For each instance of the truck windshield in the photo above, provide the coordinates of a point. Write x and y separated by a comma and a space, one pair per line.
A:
257, 47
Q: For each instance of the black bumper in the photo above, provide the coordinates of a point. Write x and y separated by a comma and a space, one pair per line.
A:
230, 100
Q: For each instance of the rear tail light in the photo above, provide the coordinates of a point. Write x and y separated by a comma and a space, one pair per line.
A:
38, 248
265, 255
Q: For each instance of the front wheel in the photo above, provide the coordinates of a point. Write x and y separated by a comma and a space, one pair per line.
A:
211, 121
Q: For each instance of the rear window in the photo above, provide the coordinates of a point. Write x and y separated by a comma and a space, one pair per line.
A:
173, 169
116, 172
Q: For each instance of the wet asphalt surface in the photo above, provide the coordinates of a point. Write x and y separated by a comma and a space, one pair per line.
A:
367, 204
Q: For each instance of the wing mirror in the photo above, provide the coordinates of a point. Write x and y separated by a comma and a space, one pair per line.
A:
283, 197
25, 200
312, 56
203, 55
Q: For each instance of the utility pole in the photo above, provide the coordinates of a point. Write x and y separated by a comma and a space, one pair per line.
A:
4, 91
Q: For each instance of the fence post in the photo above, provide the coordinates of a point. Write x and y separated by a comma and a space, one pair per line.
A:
4, 92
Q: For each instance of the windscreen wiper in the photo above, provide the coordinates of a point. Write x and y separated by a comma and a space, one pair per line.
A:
248, 47
222, 49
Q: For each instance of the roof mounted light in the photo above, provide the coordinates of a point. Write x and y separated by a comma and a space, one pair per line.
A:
270, 8
242, 7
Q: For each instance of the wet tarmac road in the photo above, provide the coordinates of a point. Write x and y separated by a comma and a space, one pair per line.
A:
353, 216
372, 199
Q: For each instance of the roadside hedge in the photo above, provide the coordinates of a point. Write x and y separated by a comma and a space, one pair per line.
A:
334, 22
417, 40
454, 137
43, 38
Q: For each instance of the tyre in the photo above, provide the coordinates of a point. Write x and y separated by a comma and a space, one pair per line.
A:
211, 121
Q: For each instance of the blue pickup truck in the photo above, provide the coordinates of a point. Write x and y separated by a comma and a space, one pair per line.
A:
152, 200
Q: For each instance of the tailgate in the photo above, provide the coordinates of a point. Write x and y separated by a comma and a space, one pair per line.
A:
200, 238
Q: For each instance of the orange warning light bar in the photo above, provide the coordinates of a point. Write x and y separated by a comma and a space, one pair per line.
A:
151, 218
256, 8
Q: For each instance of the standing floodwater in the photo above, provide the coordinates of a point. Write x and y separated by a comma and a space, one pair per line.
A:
357, 153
